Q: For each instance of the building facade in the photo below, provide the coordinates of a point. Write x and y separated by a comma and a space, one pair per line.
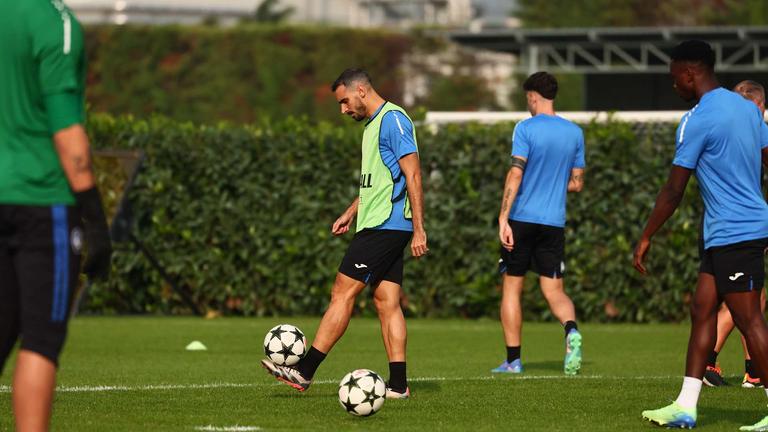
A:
349, 13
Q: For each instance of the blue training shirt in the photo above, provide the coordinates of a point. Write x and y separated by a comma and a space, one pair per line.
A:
395, 142
721, 138
553, 146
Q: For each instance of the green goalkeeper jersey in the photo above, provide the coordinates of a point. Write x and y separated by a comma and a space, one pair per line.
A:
42, 81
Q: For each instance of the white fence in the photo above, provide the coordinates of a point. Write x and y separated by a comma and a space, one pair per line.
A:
445, 117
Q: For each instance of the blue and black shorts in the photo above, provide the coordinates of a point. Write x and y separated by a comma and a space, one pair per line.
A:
538, 247
738, 267
375, 255
40, 249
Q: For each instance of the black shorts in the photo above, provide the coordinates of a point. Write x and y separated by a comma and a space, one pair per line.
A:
540, 248
39, 267
737, 267
375, 255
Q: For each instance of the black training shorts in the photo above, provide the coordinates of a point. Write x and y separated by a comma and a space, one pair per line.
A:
538, 247
39, 265
375, 255
737, 267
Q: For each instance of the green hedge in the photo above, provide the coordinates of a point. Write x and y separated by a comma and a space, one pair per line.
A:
243, 214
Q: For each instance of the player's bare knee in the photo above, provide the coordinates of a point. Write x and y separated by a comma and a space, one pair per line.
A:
512, 296
343, 297
699, 315
704, 308
554, 295
380, 304
750, 324
386, 306
343, 291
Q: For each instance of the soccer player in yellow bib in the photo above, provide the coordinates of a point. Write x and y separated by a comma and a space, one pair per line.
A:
389, 211
49, 205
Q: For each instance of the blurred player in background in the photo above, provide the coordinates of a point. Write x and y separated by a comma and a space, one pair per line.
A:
50, 209
547, 163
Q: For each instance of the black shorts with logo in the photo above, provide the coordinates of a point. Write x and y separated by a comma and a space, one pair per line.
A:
538, 247
375, 255
737, 267
40, 250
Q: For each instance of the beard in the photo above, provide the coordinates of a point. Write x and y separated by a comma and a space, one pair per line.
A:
686, 96
358, 113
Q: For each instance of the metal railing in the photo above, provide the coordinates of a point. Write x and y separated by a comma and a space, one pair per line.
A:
444, 117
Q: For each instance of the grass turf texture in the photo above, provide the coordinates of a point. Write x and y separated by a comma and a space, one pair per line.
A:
160, 386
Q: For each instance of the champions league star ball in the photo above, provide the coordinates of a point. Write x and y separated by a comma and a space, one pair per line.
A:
362, 392
285, 344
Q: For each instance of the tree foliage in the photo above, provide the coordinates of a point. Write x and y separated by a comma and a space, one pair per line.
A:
267, 12
630, 13
256, 72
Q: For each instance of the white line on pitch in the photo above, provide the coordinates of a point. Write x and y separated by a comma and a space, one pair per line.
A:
211, 428
122, 388
160, 387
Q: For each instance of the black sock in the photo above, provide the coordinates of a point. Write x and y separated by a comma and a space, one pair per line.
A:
513, 353
309, 364
712, 359
570, 325
748, 368
397, 380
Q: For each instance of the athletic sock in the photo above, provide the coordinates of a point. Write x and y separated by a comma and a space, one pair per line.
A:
712, 359
309, 364
397, 380
689, 394
513, 353
570, 325
748, 368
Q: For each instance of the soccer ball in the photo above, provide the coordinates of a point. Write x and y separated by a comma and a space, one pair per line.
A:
285, 344
362, 392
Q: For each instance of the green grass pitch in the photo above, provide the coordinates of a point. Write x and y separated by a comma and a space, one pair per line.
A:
133, 374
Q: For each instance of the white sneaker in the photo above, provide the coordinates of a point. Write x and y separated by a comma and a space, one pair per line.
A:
391, 394
286, 374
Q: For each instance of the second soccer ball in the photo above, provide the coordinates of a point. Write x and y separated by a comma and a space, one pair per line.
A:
362, 392
285, 344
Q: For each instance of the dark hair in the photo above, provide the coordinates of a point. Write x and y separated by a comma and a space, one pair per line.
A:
543, 83
349, 76
694, 51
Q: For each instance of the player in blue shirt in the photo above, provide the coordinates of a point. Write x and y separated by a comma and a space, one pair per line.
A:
389, 215
754, 92
547, 162
721, 141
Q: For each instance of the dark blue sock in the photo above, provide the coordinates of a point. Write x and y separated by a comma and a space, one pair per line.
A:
397, 380
513, 353
310, 362
570, 325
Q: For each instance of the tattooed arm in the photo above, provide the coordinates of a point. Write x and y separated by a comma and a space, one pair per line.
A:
511, 186
75, 155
